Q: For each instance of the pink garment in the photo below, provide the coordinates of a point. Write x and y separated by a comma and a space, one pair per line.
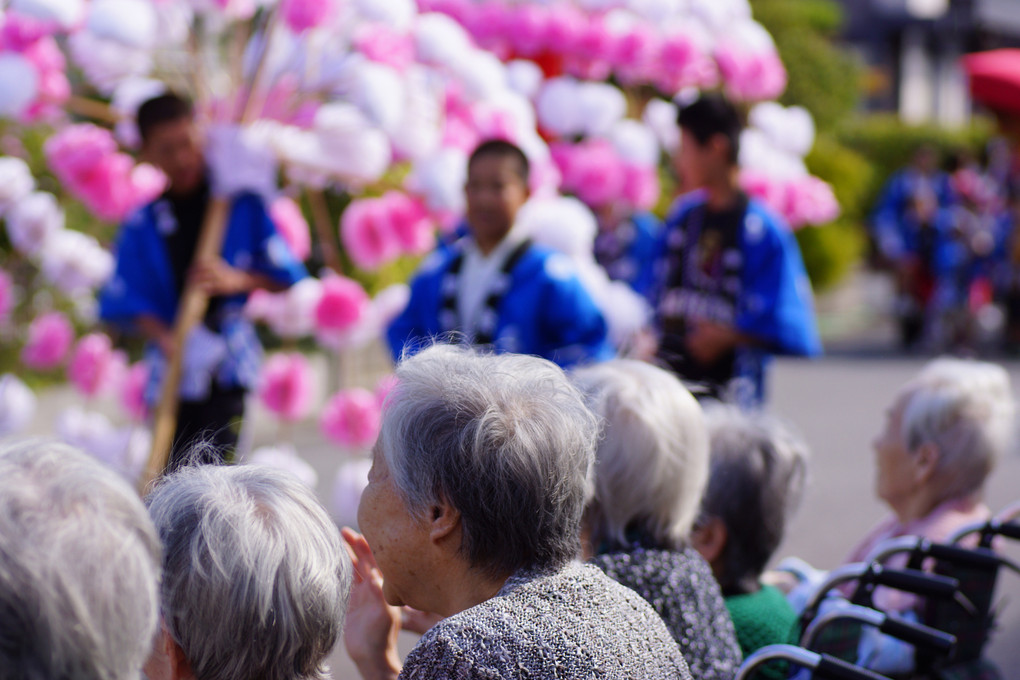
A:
937, 526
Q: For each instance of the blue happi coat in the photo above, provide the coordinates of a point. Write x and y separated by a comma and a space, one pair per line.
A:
628, 252
774, 303
545, 310
143, 284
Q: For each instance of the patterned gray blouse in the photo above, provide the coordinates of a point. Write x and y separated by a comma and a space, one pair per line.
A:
681, 588
573, 623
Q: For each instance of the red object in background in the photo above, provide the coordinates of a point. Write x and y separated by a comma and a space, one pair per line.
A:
995, 78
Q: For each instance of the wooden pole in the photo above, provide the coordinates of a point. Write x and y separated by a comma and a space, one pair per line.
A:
190, 312
323, 229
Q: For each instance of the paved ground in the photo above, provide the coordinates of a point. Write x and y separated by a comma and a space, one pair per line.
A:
837, 403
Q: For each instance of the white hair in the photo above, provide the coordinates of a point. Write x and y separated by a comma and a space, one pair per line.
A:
256, 578
505, 439
965, 408
79, 567
652, 462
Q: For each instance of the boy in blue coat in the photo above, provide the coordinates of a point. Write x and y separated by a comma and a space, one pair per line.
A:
733, 289
494, 287
155, 252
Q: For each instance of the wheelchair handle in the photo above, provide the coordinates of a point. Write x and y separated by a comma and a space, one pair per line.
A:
822, 666
916, 634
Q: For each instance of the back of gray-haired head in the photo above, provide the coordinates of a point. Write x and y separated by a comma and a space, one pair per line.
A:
652, 461
966, 409
256, 580
505, 439
79, 567
757, 473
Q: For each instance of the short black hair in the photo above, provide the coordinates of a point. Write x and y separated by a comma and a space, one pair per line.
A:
710, 115
166, 108
501, 148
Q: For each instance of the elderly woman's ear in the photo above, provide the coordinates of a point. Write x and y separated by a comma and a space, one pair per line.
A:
167, 661
444, 525
709, 538
926, 461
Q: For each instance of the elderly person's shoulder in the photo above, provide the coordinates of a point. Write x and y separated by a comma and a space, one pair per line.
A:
614, 633
684, 592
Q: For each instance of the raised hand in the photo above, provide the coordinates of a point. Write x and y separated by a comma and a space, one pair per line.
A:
373, 625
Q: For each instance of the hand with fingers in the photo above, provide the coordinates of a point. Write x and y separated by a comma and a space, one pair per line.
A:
370, 633
417, 621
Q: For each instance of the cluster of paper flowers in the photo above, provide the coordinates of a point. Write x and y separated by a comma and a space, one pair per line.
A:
668, 45
772, 150
70, 260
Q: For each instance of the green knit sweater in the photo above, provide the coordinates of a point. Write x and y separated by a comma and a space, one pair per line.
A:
763, 618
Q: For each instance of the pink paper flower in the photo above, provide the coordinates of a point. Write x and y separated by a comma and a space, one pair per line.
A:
93, 364
291, 224
342, 305
809, 200
285, 387
132, 391
49, 339
410, 222
367, 234
596, 174
528, 28
640, 186
385, 46
72, 152
300, 15
352, 418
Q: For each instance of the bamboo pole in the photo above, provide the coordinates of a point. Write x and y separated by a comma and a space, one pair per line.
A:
323, 229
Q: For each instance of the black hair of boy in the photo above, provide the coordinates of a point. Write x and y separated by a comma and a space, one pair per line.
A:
500, 148
710, 115
166, 108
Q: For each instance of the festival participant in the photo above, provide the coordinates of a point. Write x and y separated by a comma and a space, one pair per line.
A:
495, 287
734, 290
79, 567
472, 512
651, 467
757, 476
256, 579
155, 261
904, 232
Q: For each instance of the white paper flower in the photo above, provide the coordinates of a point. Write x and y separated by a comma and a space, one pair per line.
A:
106, 63
124, 449
660, 116
67, 13
440, 179
17, 405
131, 23
440, 40
32, 220
19, 84
635, 142
16, 181
524, 77
75, 262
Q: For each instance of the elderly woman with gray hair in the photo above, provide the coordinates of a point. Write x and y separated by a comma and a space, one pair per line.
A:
79, 567
473, 512
756, 479
256, 579
943, 435
651, 468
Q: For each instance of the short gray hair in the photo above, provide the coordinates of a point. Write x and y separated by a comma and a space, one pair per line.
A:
758, 471
256, 580
652, 462
79, 566
965, 408
505, 439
